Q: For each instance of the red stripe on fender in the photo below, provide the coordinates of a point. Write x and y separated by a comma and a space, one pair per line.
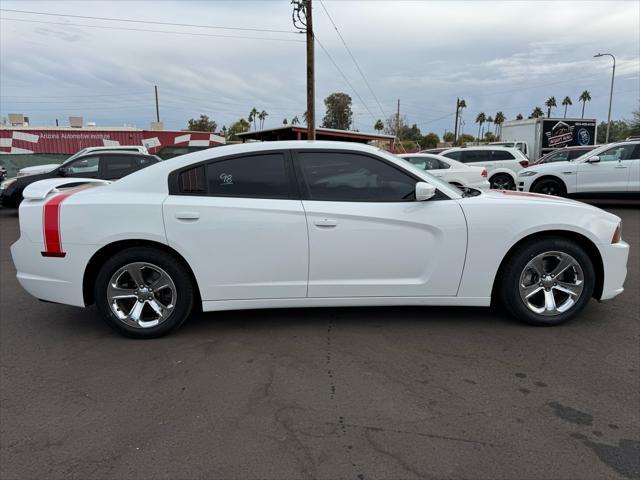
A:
51, 224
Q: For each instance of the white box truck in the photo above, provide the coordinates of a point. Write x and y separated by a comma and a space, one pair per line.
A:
538, 136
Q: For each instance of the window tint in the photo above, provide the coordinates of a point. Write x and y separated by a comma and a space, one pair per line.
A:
84, 165
557, 157
636, 152
427, 163
192, 181
573, 154
454, 155
261, 176
469, 156
118, 165
501, 155
145, 161
348, 177
623, 152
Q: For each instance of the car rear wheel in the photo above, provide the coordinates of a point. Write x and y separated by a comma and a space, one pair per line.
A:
547, 282
550, 186
502, 181
144, 292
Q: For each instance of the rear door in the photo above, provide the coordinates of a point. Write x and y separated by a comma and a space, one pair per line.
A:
611, 174
367, 234
238, 222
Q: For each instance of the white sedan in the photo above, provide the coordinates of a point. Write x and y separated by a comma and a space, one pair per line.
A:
611, 170
307, 224
449, 170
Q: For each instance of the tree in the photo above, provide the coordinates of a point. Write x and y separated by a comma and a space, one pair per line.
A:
238, 127
379, 126
305, 117
447, 137
295, 120
253, 114
224, 131
480, 119
284, 122
550, 103
489, 137
499, 120
565, 103
202, 124
519, 116
489, 122
537, 113
262, 116
465, 138
584, 98
619, 130
634, 125
339, 114
430, 140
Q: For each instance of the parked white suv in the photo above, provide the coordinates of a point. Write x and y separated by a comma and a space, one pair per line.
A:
502, 163
611, 170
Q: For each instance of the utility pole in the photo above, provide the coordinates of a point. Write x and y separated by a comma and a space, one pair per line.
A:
613, 76
157, 106
398, 121
455, 127
303, 20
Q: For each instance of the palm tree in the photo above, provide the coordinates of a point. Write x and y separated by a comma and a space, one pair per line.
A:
519, 116
379, 126
584, 98
295, 120
284, 122
489, 122
480, 119
565, 103
537, 113
550, 103
253, 114
305, 117
262, 117
499, 120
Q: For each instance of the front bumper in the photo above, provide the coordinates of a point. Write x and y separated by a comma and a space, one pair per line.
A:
614, 261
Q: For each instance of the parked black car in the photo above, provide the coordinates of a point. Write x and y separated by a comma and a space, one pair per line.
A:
105, 165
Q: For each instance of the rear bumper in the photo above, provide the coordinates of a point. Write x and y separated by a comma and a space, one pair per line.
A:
614, 261
54, 279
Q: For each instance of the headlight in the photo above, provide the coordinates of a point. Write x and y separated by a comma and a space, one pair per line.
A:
7, 183
527, 173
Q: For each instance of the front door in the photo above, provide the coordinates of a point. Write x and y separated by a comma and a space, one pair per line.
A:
610, 174
238, 225
367, 234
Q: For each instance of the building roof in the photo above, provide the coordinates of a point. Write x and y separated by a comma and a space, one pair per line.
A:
295, 132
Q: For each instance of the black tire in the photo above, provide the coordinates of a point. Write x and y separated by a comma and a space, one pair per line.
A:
182, 291
550, 186
509, 283
502, 181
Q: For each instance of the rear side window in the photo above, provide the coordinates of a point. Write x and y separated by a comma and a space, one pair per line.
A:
348, 177
256, 176
471, 156
118, 165
454, 155
501, 155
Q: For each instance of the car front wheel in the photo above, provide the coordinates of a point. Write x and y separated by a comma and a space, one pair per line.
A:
502, 181
549, 186
547, 282
144, 292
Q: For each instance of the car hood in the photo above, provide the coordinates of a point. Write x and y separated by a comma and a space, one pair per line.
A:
529, 197
38, 169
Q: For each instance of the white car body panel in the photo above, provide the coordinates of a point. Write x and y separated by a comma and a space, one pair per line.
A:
457, 173
508, 167
37, 169
255, 253
581, 177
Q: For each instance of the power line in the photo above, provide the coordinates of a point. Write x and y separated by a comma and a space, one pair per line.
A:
353, 58
345, 77
148, 22
151, 31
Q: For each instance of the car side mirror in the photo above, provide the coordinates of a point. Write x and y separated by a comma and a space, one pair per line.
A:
594, 159
424, 191
62, 171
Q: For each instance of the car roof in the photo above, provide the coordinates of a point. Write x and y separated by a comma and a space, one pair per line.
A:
483, 147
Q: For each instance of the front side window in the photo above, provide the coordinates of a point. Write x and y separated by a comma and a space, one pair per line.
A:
557, 157
622, 152
350, 177
573, 154
256, 176
427, 163
83, 166
454, 155
118, 165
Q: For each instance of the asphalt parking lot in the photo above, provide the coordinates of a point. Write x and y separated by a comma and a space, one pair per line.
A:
321, 393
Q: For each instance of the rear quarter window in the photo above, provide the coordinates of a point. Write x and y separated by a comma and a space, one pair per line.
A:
501, 155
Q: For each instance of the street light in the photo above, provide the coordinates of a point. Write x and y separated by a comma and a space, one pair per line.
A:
613, 74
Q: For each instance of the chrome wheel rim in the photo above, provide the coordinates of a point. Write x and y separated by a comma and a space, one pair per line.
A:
551, 283
501, 183
141, 295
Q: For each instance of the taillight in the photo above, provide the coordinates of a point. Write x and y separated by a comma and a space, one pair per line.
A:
484, 172
524, 163
617, 234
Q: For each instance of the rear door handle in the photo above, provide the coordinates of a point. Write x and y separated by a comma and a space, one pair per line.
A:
621, 166
325, 222
187, 216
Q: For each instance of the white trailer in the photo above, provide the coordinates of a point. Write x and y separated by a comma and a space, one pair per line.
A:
539, 136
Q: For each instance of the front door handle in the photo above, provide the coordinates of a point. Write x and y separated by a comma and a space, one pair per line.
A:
325, 222
193, 216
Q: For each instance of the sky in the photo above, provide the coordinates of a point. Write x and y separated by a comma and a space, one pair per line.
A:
507, 56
